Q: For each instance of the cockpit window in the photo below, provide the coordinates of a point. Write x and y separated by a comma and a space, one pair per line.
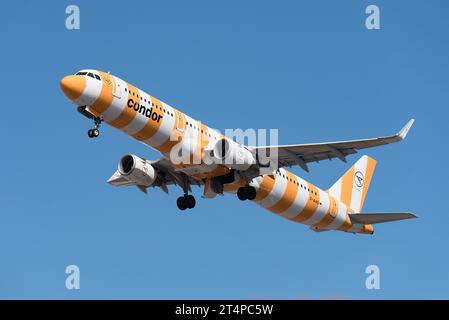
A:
90, 74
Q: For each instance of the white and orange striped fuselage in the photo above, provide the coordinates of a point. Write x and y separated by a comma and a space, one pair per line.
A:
298, 200
163, 127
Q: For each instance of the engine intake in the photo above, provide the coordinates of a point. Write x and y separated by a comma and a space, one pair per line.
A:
137, 170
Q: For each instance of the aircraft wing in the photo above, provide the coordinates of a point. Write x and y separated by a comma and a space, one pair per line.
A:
301, 154
166, 175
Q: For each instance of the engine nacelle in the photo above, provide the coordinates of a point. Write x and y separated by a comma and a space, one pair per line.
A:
137, 170
233, 155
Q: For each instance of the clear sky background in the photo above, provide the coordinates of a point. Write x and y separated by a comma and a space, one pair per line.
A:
309, 68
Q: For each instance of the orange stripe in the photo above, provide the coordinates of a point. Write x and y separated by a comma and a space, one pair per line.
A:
152, 126
324, 222
176, 135
333, 206
330, 215
346, 187
127, 115
181, 121
105, 98
311, 205
288, 197
265, 188
370, 166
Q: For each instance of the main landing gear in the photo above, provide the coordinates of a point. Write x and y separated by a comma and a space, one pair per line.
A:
186, 202
95, 132
246, 193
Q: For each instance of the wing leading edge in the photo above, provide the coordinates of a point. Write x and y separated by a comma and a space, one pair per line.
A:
301, 154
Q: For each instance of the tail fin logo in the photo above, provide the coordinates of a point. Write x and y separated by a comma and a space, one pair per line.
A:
359, 179
352, 187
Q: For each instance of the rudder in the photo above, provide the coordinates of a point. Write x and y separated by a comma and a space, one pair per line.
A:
352, 187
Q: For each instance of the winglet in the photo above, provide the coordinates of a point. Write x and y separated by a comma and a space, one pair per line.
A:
404, 131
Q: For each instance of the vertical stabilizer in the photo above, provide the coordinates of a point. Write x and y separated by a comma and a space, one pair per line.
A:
352, 187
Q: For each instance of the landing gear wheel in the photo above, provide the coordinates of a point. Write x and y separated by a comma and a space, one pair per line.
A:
186, 202
241, 194
90, 133
251, 193
246, 193
181, 203
190, 201
93, 133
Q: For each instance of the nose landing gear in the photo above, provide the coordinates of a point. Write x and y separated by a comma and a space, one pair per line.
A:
95, 132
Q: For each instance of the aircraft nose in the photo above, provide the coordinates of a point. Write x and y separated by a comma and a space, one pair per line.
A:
73, 86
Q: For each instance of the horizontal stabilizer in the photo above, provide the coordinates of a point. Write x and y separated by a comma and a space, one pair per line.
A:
373, 218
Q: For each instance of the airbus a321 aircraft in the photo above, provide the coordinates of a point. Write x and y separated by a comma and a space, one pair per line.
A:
238, 169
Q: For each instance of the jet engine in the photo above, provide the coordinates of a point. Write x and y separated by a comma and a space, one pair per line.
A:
233, 155
137, 170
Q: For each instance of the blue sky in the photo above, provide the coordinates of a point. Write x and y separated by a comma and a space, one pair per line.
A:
309, 68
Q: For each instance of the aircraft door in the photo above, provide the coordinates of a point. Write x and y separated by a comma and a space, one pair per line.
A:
117, 87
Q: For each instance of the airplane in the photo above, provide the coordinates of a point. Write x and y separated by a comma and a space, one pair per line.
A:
224, 166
